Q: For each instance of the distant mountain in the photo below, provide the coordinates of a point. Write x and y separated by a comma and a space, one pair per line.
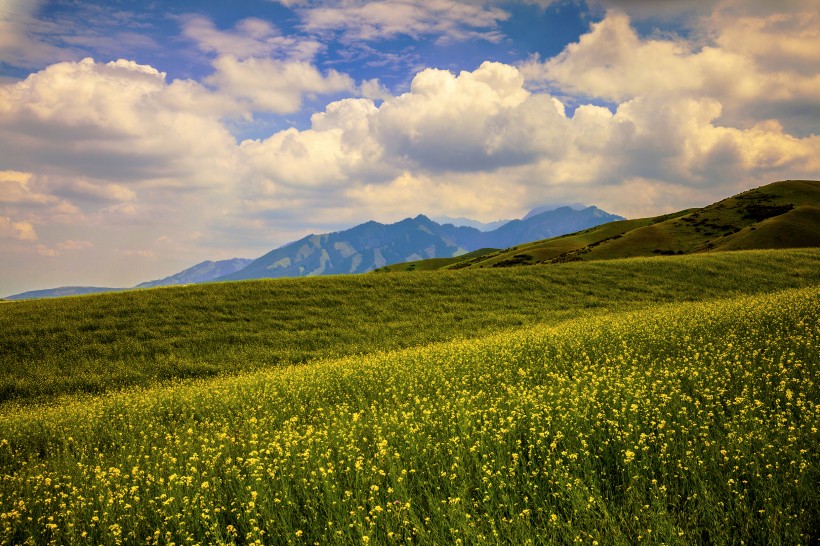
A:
361, 249
551, 223
373, 245
467, 222
780, 215
546, 208
201, 272
62, 291
370, 246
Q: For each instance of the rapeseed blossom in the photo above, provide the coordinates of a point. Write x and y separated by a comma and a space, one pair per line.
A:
638, 427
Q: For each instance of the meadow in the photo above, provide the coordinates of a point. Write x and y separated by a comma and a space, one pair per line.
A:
92, 344
675, 404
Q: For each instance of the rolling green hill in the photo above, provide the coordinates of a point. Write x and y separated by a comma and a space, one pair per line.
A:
99, 342
779, 215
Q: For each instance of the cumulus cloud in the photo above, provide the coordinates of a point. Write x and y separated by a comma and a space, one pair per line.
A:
94, 191
448, 20
274, 85
262, 69
474, 121
451, 131
138, 253
75, 245
68, 245
757, 67
43, 250
118, 121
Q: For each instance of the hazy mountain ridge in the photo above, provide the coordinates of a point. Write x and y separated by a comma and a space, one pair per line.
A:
62, 291
369, 246
201, 272
469, 222
373, 245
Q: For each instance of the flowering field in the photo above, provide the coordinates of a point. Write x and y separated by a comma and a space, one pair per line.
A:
693, 422
94, 344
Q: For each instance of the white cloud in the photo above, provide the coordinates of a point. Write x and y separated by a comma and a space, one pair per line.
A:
274, 85
75, 245
260, 68
757, 67
483, 136
18, 188
68, 245
18, 45
374, 90
22, 231
43, 250
249, 38
120, 122
137, 253
448, 20
94, 191
474, 121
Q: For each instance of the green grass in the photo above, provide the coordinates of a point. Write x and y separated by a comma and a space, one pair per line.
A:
432, 264
685, 423
667, 400
96, 343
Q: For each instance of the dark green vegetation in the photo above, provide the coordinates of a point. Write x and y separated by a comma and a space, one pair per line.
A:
95, 343
780, 215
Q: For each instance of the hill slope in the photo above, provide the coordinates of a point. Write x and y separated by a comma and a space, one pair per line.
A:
95, 343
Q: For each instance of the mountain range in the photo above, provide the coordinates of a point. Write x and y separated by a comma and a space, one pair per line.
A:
783, 214
201, 272
370, 246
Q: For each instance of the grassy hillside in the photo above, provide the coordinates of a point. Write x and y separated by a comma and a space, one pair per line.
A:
433, 264
96, 343
780, 215
689, 423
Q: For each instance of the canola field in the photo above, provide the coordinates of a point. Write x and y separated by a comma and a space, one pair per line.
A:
687, 423
105, 342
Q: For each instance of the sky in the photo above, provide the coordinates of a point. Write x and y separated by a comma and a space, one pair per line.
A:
138, 138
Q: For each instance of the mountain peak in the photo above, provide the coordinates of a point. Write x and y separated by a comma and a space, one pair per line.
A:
551, 207
372, 245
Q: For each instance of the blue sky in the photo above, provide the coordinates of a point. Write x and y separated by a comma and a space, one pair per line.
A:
138, 138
